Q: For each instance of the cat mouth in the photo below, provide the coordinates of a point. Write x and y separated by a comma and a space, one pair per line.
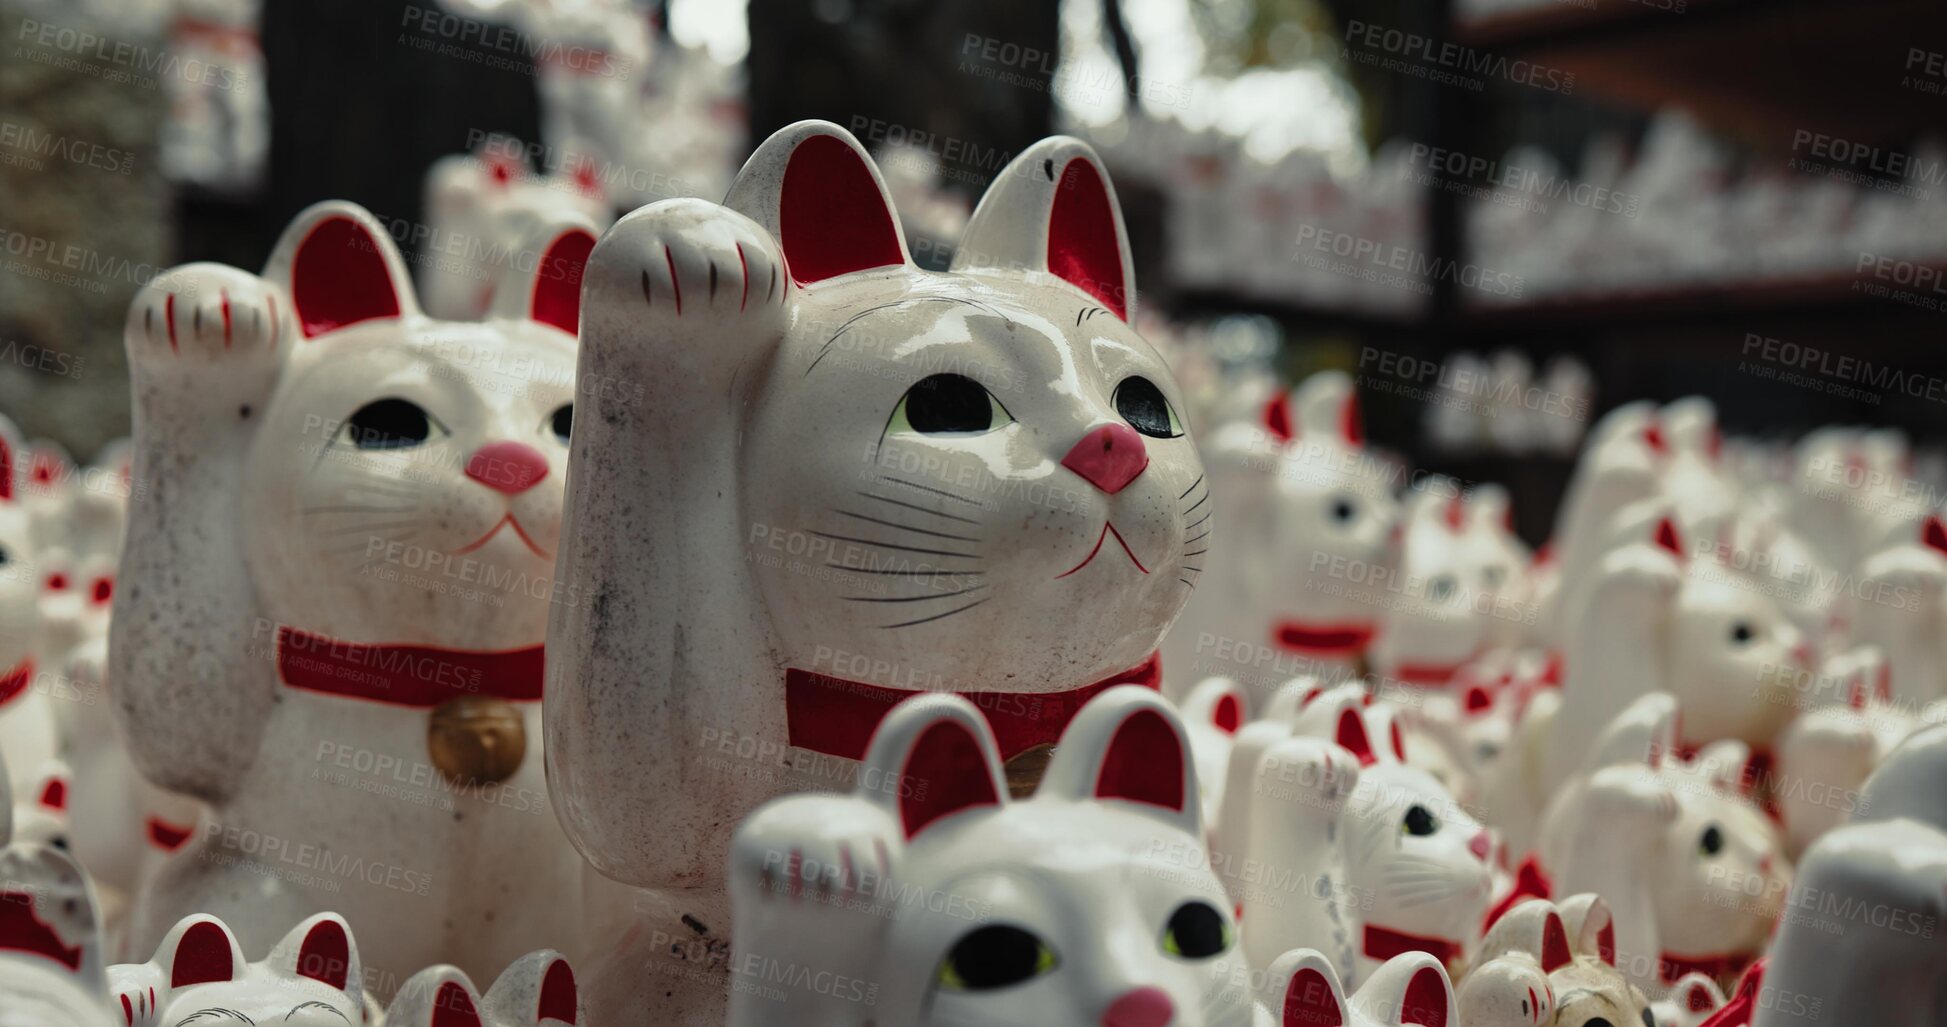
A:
507, 521
1107, 530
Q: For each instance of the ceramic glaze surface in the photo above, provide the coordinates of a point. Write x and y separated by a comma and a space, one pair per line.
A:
536, 990
50, 941
370, 500
1551, 966
311, 978
830, 479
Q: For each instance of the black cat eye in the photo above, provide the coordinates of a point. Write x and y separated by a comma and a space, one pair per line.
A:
563, 422
389, 424
1196, 931
994, 957
1742, 632
1419, 821
1712, 841
1142, 404
3, 556
1344, 510
947, 403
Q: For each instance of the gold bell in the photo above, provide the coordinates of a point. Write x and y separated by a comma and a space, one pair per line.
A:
475, 740
1025, 769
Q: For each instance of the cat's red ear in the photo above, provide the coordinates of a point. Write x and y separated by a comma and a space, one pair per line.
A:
814, 188
438, 996
934, 756
1351, 735
1306, 992
341, 268
1054, 209
1409, 988
1933, 535
1326, 406
7, 471
1127, 744
559, 999
543, 282
200, 950
321, 949
1277, 418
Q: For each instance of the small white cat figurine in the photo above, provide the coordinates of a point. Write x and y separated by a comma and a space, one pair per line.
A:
334, 592
536, 990
51, 972
1543, 965
311, 978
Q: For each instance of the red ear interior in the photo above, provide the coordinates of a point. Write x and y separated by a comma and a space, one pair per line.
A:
326, 954
1229, 715
54, 794
1653, 438
1352, 736
557, 993
949, 774
453, 1007
1351, 425
1456, 513
1667, 537
1309, 1001
1425, 1002
557, 284
1082, 246
1144, 763
1697, 998
21, 930
6, 471
1605, 943
831, 216
1399, 741
339, 278
1277, 418
1478, 701
1554, 944
1934, 534
202, 956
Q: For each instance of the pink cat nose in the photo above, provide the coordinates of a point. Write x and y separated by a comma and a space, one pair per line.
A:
1144, 1007
1481, 845
1109, 458
510, 467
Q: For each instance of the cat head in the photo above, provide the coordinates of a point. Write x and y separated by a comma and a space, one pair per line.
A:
40, 812
1089, 900
406, 471
939, 460
311, 978
1462, 571
536, 990
1551, 966
50, 948
480, 209
20, 580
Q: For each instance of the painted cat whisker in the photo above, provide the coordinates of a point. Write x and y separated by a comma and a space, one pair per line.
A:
917, 508
905, 527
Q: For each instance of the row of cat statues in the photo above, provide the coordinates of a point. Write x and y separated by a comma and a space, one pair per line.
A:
736, 623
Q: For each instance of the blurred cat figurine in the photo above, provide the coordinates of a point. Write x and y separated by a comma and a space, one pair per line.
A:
1306, 516
537, 990
51, 972
311, 978
1694, 870
1090, 902
334, 592
844, 480
27, 737
1543, 965
479, 208
1462, 574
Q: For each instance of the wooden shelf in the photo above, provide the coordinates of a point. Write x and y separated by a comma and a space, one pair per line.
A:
1759, 70
1782, 295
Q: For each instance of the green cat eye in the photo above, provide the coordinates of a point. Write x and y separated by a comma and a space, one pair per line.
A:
1196, 931
947, 404
992, 957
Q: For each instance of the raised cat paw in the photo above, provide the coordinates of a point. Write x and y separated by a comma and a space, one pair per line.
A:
693, 260
829, 848
1635, 793
206, 312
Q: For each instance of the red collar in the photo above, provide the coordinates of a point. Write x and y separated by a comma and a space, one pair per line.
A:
1743, 1004
1323, 639
405, 675
1531, 881
1427, 675
837, 717
1382, 944
1720, 968
16, 680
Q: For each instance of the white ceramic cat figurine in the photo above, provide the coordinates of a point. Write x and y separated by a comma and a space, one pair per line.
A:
1900, 606
537, 990
1460, 572
311, 978
843, 480
1694, 870
1092, 902
1863, 940
351, 677
51, 972
27, 735
1543, 965
1347, 844
1305, 514
1652, 618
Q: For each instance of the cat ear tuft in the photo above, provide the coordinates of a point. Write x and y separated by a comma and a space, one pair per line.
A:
944, 748
543, 283
1054, 209
201, 950
341, 268
1410, 988
814, 188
